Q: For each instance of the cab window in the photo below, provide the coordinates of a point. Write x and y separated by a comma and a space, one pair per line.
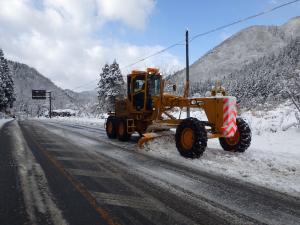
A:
154, 85
139, 84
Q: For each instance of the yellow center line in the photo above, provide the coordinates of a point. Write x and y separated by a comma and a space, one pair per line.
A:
79, 187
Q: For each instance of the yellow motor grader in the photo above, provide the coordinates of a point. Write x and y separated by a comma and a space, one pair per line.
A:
148, 109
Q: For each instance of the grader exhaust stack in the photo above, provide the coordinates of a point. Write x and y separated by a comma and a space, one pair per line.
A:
148, 111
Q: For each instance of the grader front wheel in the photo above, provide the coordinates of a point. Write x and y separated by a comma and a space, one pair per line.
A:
191, 138
240, 141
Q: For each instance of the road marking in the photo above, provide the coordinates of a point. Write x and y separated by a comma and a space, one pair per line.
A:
89, 173
78, 186
124, 201
74, 159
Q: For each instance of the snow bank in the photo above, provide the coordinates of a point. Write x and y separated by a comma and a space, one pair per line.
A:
4, 119
282, 118
272, 161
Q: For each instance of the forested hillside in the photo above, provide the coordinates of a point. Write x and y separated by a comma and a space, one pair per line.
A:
27, 78
270, 79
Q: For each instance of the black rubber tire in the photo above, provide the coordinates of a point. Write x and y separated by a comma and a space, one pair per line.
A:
244, 140
200, 138
124, 136
112, 134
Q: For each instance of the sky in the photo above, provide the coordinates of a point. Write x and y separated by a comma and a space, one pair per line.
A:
69, 41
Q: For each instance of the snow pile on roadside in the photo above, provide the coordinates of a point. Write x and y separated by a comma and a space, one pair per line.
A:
4, 119
282, 118
273, 159
78, 120
66, 110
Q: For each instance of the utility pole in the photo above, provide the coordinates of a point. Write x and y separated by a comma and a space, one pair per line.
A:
187, 81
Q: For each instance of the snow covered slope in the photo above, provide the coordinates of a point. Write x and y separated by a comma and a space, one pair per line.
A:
240, 49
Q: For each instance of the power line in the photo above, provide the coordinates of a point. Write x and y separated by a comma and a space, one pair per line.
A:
197, 36
84, 85
136, 62
154, 54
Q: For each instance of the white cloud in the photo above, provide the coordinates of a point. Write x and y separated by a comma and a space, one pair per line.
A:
133, 12
57, 36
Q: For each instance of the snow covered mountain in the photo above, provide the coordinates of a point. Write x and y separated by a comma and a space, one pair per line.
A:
265, 82
239, 50
27, 78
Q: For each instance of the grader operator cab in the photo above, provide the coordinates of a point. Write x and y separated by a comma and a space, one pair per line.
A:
147, 110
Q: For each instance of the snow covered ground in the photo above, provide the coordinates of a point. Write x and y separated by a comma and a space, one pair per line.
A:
3, 119
273, 159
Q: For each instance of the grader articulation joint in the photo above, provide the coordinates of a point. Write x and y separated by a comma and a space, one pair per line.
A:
147, 110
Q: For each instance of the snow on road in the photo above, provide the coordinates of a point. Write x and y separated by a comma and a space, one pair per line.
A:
272, 161
38, 198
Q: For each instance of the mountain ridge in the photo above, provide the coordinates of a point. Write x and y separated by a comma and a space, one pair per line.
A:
240, 49
27, 78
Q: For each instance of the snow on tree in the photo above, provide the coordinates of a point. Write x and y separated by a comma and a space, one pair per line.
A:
102, 87
118, 90
6, 84
266, 80
110, 86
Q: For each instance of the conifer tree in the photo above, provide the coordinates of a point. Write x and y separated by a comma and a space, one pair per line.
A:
110, 86
6, 84
102, 87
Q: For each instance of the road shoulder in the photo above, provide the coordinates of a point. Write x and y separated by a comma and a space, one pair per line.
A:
12, 207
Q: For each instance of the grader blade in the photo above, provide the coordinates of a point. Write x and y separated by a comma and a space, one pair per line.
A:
150, 136
145, 138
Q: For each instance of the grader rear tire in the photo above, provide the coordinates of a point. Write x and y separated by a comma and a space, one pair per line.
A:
240, 141
191, 138
111, 127
122, 133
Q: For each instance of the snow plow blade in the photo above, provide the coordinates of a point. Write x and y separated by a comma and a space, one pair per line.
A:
150, 136
147, 137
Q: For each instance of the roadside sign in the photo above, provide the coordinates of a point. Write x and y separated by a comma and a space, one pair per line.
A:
38, 94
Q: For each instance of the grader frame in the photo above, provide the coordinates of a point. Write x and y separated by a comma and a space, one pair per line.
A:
148, 111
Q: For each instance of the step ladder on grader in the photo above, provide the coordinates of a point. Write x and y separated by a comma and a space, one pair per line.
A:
147, 110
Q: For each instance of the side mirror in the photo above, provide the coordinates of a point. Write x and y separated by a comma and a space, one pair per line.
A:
174, 87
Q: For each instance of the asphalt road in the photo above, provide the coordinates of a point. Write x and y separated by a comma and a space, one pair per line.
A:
56, 173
